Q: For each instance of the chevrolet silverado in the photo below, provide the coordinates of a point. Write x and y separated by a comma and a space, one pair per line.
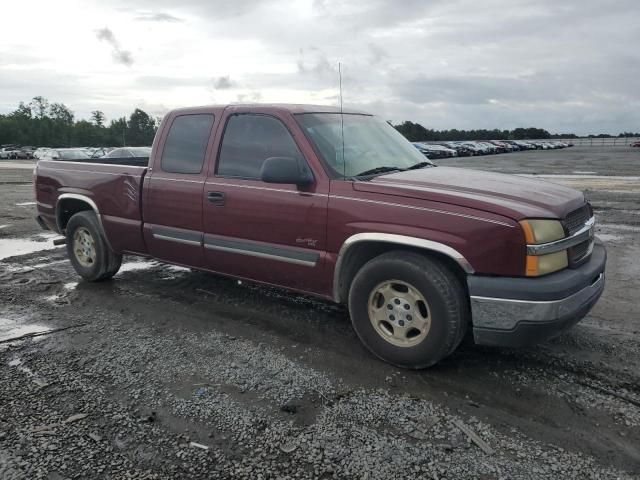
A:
338, 205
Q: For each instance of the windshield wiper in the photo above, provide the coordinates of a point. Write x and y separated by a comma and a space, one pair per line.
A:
377, 170
420, 165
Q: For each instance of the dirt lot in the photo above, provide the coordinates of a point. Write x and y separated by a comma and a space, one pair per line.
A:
166, 373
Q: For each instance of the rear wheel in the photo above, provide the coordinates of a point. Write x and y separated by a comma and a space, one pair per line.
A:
87, 248
408, 309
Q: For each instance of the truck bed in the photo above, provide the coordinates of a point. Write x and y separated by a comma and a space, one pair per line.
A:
115, 190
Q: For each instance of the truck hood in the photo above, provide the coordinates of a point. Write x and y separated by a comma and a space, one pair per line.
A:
508, 195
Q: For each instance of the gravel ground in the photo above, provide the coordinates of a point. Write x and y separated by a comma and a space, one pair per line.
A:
167, 373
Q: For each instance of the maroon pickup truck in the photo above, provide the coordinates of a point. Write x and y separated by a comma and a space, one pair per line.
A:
339, 206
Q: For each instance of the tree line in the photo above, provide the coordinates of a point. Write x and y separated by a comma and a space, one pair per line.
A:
40, 123
415, 132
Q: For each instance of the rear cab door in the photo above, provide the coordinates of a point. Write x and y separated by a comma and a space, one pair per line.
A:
172, 206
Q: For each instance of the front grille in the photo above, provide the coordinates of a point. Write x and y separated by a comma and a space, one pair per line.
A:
576, 219
579, 253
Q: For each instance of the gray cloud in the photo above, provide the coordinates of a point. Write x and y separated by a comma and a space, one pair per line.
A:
564, 66
377, 53
158, 17
314, 62
212, 8
119, 54
249, 97
223, 83
167, 82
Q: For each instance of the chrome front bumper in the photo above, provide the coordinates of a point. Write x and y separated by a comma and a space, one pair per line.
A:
523, 311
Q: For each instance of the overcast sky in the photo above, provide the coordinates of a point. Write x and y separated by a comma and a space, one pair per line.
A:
567, 66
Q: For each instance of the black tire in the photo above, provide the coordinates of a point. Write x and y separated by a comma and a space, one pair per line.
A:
447, 300
106, 263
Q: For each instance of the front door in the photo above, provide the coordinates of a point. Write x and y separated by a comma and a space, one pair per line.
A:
273, 233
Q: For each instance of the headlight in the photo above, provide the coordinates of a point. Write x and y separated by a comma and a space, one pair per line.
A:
537, 232
542, 231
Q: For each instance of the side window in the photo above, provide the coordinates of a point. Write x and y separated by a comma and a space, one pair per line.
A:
186, 143
249, 140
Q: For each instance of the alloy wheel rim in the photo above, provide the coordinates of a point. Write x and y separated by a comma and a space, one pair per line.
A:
399, 313
84, 247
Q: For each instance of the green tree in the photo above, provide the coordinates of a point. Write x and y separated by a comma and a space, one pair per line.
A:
39, 106
141, 128
41, 123
98, 118
59, 112
23, 111
118, 132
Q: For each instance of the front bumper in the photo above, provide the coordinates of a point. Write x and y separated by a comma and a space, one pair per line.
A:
516, 312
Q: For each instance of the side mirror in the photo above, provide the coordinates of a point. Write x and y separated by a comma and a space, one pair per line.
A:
285, 170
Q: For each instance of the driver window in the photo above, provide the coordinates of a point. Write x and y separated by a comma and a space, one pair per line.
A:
249, 139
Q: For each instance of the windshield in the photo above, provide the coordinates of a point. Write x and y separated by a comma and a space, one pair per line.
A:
369, 143
141, 151
72, 154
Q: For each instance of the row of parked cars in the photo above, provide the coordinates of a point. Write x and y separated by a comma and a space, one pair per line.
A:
489, 147
45, 153
15, 152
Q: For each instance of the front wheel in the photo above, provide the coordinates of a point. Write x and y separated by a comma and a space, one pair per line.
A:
87, 248
408, 309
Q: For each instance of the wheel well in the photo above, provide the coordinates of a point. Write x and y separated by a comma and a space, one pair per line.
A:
67, 208
363, 252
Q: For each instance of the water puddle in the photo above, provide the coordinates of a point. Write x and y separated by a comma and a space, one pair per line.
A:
617, 226
608, 183
11, 247
14, 269
39, 381
177, 268
14, 326
137, 265
172, 272
582, 176
608, 237
57, 299
23, 166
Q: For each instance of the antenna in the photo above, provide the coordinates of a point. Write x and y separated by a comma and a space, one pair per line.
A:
344, 162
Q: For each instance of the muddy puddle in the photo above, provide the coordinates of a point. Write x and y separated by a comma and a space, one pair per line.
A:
168, 271
609, 237
13, 325
609, 183
11, 247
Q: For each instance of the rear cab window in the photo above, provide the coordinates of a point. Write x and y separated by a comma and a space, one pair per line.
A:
186, 144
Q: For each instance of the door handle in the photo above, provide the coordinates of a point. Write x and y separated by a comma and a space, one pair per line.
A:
217, 198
